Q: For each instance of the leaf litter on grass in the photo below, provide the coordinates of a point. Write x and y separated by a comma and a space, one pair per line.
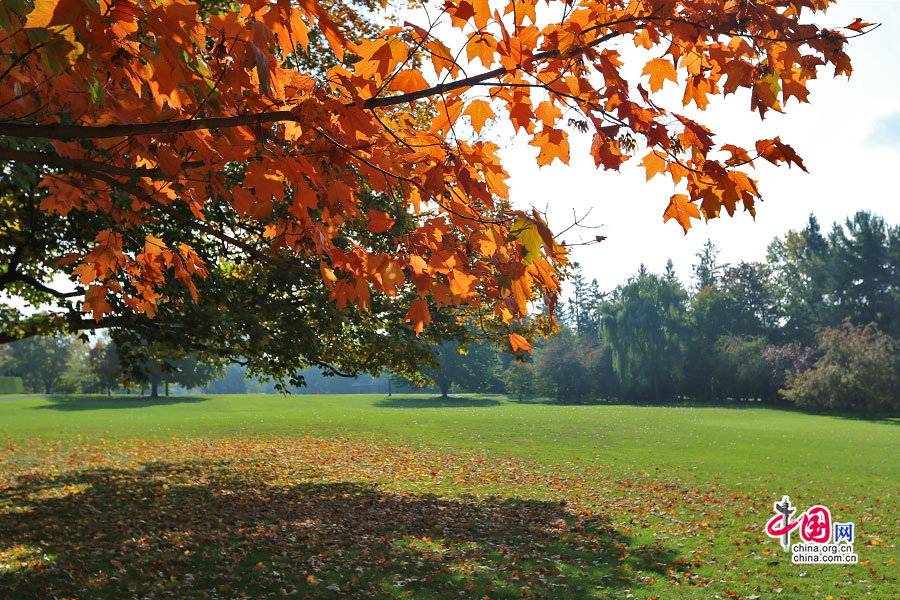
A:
324, 517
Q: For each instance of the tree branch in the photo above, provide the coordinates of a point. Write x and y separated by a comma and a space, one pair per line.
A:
54, 160
44, 326
11, 276
63, 132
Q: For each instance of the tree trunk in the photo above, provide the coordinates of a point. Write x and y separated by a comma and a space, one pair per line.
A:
154, 389
445, 387
167, 389
656, 386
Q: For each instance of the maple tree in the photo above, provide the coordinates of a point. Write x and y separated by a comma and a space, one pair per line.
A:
167, 128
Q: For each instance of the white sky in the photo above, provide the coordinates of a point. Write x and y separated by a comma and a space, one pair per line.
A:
848, 136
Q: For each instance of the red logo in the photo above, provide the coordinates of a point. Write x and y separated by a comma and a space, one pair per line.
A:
814, 523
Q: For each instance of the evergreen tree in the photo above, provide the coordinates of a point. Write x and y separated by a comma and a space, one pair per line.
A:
865, 272
707, 270
802, 282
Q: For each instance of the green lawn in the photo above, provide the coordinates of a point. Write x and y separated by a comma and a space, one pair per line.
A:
411, 496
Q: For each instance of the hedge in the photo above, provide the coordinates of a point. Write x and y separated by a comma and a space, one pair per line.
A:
11, 385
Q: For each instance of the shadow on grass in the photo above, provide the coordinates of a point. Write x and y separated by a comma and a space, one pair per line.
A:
436, 402
209, 529
74, 403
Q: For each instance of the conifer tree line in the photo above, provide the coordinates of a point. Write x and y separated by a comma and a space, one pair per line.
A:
816, 325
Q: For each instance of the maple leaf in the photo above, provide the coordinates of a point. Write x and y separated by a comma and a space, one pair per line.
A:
858, 25
517, 342
654, 163
53, 12
408, 80
548, 113
682, 210
95, 301
480, 111
521, 116
777, 152
659, 69
553, 144
526, 231
607, 152
419, 315
379, 221
392, 277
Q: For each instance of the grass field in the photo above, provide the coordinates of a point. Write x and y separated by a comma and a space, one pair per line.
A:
411, 496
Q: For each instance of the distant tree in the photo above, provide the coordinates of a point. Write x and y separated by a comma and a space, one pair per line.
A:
154, 364
670, 270
105, 365
563, 368
802, 282
750, 300
707, 270
191, 372
78, 376
710, 313
644, 323
857, 372
41, 362
582, 311
521, 380
865, 272
743, 371
474, 368
232, 381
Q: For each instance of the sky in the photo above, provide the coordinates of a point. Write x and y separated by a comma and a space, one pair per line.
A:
848, 136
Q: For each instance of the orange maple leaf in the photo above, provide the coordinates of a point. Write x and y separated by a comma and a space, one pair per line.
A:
654, 163
95, 301
419, 315
519, 343
682, 210
660, 69
379, 221
480, 111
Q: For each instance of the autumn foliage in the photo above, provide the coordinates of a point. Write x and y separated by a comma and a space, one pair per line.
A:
376, 176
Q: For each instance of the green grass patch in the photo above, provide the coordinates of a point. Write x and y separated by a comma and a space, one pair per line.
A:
468, 497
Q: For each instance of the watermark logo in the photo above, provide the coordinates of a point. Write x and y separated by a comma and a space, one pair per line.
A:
822, 541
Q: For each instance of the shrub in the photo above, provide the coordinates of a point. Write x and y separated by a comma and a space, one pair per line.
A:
789, 359
857, 372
